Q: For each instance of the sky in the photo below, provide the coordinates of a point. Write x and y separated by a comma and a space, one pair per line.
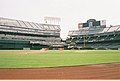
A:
71, 12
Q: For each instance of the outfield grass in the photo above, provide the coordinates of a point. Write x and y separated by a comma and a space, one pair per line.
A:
36, 59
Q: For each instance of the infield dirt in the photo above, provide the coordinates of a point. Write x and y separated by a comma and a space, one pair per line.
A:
101, 71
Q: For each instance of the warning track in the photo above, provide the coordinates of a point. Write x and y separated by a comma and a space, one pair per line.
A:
101, 71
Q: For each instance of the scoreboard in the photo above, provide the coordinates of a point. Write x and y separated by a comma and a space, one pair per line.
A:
92, 23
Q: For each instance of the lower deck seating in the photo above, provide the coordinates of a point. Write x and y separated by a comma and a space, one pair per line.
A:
98, 41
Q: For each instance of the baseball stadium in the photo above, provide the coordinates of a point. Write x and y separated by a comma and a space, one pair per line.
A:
16, 34
30, 50
94, 35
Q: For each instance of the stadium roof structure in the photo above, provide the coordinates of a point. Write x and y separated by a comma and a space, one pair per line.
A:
94, 30
21, 26
26, 24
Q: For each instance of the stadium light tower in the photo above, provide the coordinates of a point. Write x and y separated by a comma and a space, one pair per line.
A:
52, 20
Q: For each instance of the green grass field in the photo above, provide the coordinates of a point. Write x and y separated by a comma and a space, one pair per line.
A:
37, 59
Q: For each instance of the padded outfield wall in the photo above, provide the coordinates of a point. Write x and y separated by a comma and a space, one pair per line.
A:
19, 45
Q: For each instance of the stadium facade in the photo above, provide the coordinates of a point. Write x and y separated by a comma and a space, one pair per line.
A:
17, 34
94, 35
